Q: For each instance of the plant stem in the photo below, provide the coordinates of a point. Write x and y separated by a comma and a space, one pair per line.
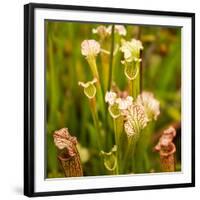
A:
96, 121
118, 128
111, 57
167, 163
104, 68
129, 153
143, 157
71, 165
93, 67
132, 88
110, 72
117, 143
141, 73
135, 83
138, 85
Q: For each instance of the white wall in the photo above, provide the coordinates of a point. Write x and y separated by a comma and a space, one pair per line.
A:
11, 97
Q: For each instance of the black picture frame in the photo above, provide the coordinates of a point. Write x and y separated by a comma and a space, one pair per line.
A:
29, 94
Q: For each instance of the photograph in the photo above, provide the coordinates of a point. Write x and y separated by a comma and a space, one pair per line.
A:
112, 99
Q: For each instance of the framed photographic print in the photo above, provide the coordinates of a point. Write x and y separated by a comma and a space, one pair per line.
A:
108, 99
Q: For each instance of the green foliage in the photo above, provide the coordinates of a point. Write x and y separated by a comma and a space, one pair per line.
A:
67, 106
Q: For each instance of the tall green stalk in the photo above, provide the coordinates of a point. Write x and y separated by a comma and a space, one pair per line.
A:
96, 121
100, 95
129, 153
135, 83
142, 159
110, 73
117, 143
118, 128
111, 57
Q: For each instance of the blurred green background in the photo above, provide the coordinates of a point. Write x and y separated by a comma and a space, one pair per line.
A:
68, 107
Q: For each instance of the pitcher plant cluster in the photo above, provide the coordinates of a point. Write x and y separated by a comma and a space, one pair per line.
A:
131, 110
120, 115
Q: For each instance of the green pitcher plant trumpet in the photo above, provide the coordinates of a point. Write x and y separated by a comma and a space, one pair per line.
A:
110, 159
89, 88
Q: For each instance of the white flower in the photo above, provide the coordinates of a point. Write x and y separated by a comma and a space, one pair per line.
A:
102, 31
136, 120
124, 103
131, 50
89, 88
110, 97
151, 105
90, 48
120, 29
117, 106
